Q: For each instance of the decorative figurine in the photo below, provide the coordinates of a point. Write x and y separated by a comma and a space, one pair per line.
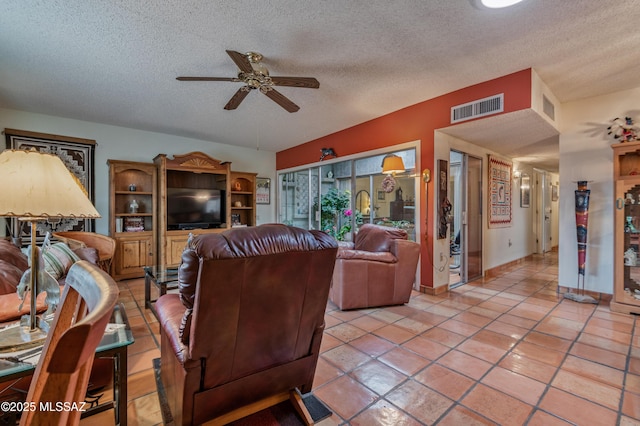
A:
133, 207
624, 130
630, 257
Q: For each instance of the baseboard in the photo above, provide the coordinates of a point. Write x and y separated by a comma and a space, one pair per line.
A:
505, 267
434, 291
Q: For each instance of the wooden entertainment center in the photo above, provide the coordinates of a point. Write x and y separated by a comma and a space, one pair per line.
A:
158, 240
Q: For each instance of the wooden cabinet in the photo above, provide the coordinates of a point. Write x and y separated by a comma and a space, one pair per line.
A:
243, 199
132, 219
626, 290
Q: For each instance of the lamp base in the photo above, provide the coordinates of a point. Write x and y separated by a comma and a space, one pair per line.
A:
21, 337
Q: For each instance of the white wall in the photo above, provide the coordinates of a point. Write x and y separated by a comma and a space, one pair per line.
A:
496, 248
585, 154
134, 145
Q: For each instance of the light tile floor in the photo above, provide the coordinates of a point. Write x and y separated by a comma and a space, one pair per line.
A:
507, 350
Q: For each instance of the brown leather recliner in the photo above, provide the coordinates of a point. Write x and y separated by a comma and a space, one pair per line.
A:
248, 320
377, 269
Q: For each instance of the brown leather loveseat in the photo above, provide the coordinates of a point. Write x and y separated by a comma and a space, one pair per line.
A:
248, 320
377, 269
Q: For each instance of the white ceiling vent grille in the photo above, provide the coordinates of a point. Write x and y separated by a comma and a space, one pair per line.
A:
479, 108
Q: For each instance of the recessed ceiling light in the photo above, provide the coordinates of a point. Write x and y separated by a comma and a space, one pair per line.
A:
494, 4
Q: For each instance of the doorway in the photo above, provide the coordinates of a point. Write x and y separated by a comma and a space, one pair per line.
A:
465, 230
544, 236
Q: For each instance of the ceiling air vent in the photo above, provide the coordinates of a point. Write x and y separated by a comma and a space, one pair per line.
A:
479, 108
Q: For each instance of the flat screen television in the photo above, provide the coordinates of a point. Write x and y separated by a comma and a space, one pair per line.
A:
191, 208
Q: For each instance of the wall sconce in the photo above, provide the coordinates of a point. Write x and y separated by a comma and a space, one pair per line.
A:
392, 164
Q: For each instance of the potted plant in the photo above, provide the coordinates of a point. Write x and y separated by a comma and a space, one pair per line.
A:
335, 214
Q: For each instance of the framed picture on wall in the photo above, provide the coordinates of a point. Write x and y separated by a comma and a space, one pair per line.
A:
263, 190
554, 192
382, 195
525, 190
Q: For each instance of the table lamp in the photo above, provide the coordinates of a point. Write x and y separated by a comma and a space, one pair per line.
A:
38, 186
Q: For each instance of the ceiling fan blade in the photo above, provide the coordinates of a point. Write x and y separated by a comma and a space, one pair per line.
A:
206, 79
241, 61
282, 100
308, 82
236, 99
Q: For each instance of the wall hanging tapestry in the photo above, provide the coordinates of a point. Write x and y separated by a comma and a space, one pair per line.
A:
77, 154
499, 192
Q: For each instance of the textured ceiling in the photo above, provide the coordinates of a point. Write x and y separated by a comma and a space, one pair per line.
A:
115, 62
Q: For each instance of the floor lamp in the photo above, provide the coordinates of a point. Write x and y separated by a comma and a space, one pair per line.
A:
38, 186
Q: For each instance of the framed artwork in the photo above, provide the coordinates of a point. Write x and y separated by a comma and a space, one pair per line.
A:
263, 190
381, 195
554, 192
77, 154
499, 192
444, 206
525, 190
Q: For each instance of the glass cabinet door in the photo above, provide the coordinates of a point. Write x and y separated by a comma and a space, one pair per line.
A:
631, 241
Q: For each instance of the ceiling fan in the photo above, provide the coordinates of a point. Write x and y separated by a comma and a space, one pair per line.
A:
255, 75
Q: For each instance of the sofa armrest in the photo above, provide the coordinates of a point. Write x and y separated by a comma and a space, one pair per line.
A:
170, 315
384, 256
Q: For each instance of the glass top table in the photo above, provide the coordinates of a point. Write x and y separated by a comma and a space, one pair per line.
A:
116, 339
163, 278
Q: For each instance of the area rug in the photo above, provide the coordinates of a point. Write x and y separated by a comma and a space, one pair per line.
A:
282, 414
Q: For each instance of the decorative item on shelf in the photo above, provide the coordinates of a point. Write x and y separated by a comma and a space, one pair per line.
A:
237, 186
628, 226
327, 152
330, 174
133, 206
630, 257
624, 130
132, 187
235, 219
237, 204
582, 195
629, 198
54, 193
134, 224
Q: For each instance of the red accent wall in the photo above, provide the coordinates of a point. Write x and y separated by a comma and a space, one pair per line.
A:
416, 122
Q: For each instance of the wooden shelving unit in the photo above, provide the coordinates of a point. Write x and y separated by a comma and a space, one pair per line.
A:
243, 199
197, 169
134, 231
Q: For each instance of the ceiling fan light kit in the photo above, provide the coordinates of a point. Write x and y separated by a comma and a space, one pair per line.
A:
255, 75
494, 4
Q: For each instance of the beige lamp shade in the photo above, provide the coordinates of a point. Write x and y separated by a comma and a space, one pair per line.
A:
392, 164
39, 185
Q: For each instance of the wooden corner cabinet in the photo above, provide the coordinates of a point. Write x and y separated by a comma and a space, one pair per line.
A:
132, 217
626, 177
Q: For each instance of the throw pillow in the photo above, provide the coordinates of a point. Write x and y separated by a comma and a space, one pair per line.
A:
9, 277
58, 259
